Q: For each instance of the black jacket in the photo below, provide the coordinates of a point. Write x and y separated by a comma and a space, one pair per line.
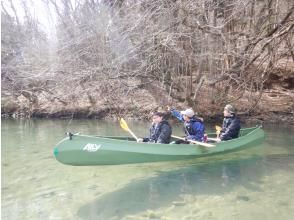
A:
231, 128
160, 133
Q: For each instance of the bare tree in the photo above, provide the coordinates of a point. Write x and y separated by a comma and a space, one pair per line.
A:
182, 46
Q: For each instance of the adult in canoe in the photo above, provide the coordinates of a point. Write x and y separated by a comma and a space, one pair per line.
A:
160, 130
193, 126
231, 124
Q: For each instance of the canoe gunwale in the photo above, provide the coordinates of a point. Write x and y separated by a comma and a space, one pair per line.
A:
131, 139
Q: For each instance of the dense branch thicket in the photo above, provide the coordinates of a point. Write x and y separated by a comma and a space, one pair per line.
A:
180, 45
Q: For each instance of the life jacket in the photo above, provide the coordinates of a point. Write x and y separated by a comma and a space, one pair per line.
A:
189, 128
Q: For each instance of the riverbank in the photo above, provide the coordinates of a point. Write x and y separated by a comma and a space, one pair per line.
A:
262, 116
106, 98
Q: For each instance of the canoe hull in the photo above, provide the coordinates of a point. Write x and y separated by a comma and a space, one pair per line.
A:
83, 150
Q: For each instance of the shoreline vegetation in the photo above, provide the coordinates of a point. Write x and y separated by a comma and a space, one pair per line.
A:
23, 110
110, 59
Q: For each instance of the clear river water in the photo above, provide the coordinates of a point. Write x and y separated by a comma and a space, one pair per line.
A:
257, 183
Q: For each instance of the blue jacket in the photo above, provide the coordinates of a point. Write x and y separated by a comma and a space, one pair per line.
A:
160, 133
231, 128
194, 129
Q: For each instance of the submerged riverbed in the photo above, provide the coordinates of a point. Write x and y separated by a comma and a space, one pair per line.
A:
251, 184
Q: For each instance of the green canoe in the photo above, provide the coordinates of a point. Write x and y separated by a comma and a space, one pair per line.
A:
83, 150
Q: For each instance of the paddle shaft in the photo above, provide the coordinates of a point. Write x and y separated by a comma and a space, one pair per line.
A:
132, 133
194, 142
213, 139
125, 126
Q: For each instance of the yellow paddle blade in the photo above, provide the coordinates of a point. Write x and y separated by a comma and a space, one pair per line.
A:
218, 128
123, 124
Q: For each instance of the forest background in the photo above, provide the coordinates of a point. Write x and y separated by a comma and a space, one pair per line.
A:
128, 58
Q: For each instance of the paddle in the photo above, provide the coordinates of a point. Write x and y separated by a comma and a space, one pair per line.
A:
125, 126
218, 130
194, 142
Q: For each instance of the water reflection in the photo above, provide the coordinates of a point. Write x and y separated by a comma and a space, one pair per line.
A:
168, 187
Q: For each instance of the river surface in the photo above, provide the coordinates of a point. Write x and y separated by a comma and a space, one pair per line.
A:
257, 183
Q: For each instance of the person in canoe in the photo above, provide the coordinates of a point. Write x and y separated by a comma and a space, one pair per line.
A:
231, 124
160, 130
193, 126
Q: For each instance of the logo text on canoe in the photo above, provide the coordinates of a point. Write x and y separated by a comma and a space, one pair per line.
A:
91, 147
